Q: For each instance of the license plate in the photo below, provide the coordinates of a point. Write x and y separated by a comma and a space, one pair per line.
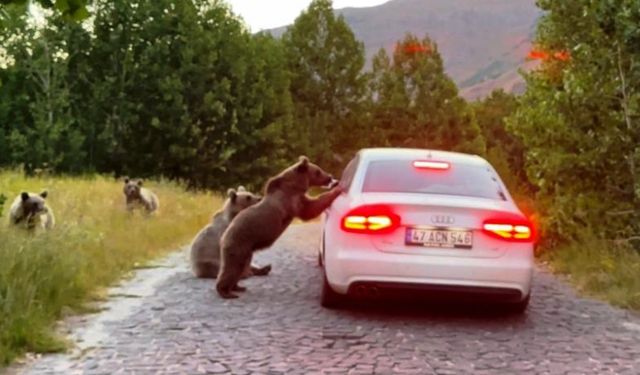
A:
444, 238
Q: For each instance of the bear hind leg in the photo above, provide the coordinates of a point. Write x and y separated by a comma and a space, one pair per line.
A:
231, 272
238, 288
260, 271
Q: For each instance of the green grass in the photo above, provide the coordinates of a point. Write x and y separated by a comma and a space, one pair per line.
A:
94, 244
600, 269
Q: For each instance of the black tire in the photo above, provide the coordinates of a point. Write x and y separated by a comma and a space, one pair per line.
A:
329, 298
519, 307
321, 252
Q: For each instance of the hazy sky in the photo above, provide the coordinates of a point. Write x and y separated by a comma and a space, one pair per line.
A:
267, 14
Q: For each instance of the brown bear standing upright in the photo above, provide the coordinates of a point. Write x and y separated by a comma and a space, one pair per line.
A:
259, 226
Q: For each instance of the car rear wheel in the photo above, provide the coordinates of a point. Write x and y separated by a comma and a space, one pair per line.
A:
321, 252
519, 307
329, 298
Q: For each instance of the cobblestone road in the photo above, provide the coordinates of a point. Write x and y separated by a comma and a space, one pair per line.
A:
278, 327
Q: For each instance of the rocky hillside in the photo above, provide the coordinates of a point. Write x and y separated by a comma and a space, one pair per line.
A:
483, 42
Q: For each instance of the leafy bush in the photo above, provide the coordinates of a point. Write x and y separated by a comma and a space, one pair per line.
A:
604, 269
578, 120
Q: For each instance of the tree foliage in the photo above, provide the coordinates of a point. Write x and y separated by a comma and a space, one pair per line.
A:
578, 119
504, 150
75, 10
157, 88
36, 122
187, 92
325, 62
415, 104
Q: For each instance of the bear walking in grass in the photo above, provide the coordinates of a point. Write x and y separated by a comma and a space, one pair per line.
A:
205, 249
260, 225
137, 196
30, 210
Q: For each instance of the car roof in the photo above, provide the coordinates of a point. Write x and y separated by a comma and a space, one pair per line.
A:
393, 153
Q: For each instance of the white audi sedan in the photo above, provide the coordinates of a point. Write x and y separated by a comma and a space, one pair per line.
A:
413, 220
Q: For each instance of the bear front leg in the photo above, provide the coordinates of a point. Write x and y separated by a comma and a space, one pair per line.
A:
313, 207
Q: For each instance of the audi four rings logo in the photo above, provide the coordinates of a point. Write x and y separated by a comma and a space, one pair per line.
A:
442, 219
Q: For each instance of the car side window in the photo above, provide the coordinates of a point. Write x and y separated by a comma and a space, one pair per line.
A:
348, 173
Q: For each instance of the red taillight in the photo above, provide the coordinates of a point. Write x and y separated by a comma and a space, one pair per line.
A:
431, 164
514, 228
370, 219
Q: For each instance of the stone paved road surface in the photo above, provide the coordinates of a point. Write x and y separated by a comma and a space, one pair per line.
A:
278, 327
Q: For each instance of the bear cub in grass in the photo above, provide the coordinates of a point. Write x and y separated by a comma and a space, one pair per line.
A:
137, 196
30, 210
260, 225
205, 248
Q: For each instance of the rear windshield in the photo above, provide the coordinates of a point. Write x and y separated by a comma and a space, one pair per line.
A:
400, 176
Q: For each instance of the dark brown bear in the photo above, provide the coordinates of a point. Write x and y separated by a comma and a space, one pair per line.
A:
259, 226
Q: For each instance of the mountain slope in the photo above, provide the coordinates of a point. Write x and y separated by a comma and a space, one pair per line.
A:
480, 40
510, 81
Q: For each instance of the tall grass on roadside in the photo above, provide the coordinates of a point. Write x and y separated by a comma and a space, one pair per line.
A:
95, 243
601, 269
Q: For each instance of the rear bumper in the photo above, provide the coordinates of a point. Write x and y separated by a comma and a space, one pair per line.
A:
439, 291
505, 278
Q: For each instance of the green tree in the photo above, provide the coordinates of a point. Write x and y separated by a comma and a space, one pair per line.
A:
328, 85
183, 90
504, 150
578, 119
75, 10
35, 117
415, 104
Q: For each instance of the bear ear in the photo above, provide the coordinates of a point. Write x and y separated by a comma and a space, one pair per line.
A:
44, 194
24, 195
126, 179
140, 182
273, 184
232, 195
303, 164
241, 188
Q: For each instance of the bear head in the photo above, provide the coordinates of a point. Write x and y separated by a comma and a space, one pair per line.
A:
132, 188
33, 205
238, 200
300, 177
